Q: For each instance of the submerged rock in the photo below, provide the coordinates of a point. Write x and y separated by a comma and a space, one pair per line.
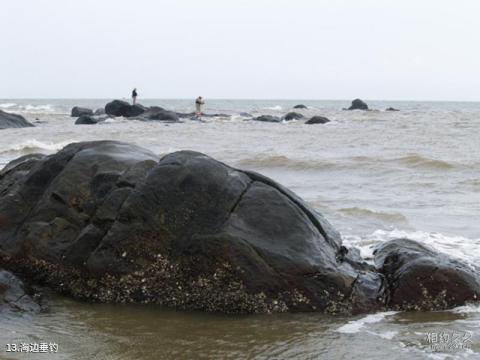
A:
13, 295
90, 120
419, 278
293, 116
391, 109
300, 106
112, 222
9, 120
358, 104
204, 115
78, 111
267, 118
317, 120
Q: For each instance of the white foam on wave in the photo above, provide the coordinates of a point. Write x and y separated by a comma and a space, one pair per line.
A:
31, 109
459, 247
467, 309
355, 326
35, 145
7, 105
39, 108
276, 107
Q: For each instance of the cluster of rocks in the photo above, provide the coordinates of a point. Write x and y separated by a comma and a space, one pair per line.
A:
9, 120
112, 222
117, 108
292, 116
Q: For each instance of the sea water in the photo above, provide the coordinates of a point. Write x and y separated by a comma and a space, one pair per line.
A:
375, 175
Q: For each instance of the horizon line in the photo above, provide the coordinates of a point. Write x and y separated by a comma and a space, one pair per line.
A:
238, 99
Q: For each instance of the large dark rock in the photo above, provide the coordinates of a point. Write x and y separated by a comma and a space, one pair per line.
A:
78, 111
111, 222
9, 120
419, 278
300, 106
358, 104
13, 294
293, 116
268, 118
123, 108
317, 120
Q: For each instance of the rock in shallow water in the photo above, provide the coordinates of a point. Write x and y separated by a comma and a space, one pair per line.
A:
317, 120
108, 221
13, 296
293, 116
358, 104
9, 120
123, 108
91, 120
267, 118
112, 222
78, 111
419, 278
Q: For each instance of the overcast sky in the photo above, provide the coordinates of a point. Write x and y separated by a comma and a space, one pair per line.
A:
268, 49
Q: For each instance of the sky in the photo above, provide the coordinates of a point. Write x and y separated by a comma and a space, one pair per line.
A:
260, 49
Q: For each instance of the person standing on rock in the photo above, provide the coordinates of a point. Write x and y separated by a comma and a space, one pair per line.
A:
134, 96
198, 106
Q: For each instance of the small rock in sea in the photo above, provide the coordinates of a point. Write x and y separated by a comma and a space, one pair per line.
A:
420, 278
391, 109
300, 106
123, 108
90, 120
317, 120
160, 114
358, 104
268, 118
78, 111
293, 116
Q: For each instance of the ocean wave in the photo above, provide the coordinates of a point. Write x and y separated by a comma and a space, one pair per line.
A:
459, 247
276, 108
32, 109
7, 105
356, 326
466, 309
379, 215
282, 161
419, 161
34, 145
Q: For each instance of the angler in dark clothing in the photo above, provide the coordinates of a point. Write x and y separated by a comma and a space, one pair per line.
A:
134, 96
